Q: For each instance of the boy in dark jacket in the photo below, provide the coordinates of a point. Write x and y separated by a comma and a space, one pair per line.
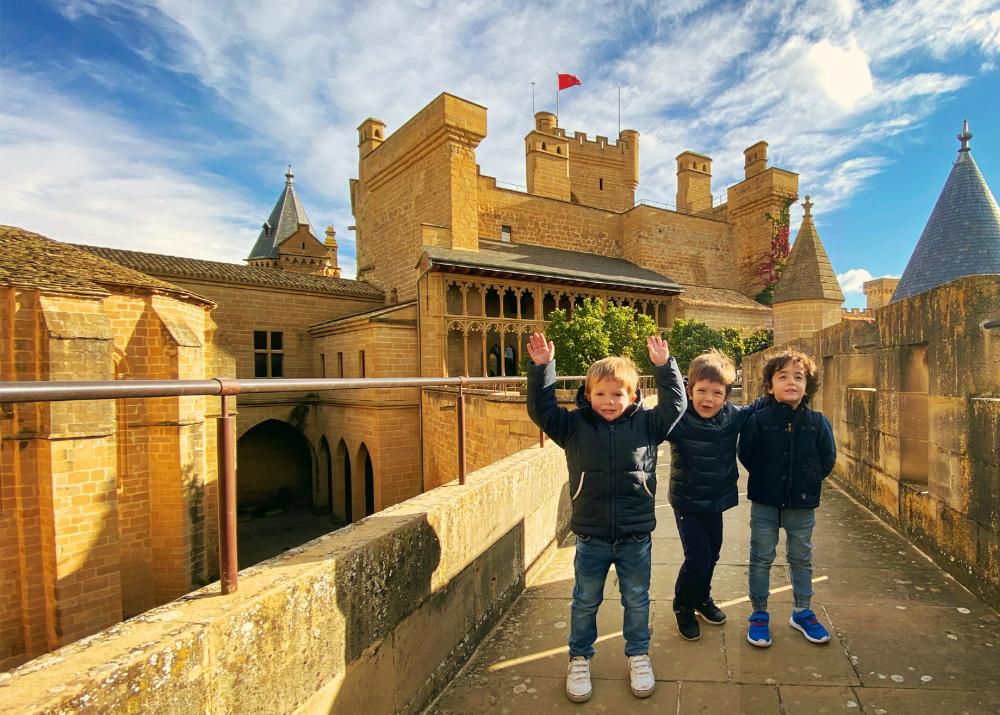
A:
703, 479
610, 442
789, 449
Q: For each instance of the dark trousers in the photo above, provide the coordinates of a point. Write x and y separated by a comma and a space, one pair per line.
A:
701, 537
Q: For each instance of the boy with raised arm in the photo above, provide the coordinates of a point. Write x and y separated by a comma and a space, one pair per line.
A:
610, 442
703, 477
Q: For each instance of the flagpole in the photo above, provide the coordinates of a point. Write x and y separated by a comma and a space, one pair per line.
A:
557, 99
532, 100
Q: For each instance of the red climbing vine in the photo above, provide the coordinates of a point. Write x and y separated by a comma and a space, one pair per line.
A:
769, 268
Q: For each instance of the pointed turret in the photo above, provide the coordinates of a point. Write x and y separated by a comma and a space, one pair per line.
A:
962, 236
286, 239
285, 219
807, 297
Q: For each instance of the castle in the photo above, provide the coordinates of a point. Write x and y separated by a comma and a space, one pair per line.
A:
454, 271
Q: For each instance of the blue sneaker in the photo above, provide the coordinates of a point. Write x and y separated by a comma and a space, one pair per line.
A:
812, 629
759, 634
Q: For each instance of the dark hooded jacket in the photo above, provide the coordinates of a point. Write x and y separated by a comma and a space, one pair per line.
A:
788, 452
612, 465
703, 469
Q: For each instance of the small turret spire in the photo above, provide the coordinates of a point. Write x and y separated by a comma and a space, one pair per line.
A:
289, 176
965, 136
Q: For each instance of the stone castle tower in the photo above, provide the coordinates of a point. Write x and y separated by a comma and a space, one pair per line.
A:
287, 242
807, 297
584, 171
962, 236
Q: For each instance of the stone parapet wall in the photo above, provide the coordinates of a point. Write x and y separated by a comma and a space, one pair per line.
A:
914, 400
375, 618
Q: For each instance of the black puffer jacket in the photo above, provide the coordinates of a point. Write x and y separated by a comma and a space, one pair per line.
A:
612, 465
703, 470
788, 454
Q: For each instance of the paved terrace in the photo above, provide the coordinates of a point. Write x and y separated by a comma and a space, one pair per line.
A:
906, 638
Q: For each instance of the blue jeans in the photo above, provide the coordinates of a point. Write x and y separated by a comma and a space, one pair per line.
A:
632, 557
765, 521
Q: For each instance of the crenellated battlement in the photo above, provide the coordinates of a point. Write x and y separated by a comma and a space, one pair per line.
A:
597, 172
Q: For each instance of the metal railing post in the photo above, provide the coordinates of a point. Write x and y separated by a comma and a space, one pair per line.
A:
461, 430
226, 436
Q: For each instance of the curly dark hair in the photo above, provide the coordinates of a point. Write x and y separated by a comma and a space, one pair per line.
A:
779, 360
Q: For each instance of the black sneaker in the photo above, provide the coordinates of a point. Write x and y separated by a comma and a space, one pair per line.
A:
711, 613
687, 624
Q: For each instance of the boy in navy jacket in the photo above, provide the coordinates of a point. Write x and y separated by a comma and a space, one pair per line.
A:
789, 449
703, 479
610, 442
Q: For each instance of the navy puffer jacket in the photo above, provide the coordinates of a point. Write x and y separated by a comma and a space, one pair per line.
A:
703, 469
612, 465
788, 452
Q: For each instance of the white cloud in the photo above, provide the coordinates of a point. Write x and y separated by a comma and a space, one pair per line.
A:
82, 176
824, 83
852, 280
842, 72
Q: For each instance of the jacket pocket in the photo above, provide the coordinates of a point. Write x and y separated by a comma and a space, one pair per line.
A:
574, 491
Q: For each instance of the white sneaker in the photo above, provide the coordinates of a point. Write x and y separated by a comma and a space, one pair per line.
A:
640, 673
578, 688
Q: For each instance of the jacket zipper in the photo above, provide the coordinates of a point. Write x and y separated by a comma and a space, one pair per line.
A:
611, 477
791, 461
579, 487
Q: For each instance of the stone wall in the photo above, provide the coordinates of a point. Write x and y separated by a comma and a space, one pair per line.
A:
542, 221
375, 618
496, 425
102, 503
242, 309
915, 405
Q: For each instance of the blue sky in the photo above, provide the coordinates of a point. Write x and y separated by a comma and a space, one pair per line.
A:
166, 125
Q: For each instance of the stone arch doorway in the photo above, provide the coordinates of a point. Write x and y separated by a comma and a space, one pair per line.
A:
365, 462
342, 507
324, 483
274, 468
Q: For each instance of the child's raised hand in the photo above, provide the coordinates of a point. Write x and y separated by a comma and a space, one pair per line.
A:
541, 350
659, 351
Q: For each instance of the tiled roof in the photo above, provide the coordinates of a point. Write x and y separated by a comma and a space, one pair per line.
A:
808, 274
365, 314
196, 269
962, 236
550, 263
286, 217
29, 259
719, 298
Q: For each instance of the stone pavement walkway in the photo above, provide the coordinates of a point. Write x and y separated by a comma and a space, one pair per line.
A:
906, 638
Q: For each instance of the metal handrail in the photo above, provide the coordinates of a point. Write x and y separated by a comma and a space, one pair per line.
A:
225, 388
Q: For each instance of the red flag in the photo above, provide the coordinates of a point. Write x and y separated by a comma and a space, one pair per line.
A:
567, 80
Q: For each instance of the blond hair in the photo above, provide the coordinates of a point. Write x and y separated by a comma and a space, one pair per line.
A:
714, 366
613, 368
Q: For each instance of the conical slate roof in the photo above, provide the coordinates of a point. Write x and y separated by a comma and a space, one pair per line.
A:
284, 220
962, 236
807, 274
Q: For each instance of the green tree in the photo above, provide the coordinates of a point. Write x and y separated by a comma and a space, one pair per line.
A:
757, 341
627, 330
690, 338
594, 333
